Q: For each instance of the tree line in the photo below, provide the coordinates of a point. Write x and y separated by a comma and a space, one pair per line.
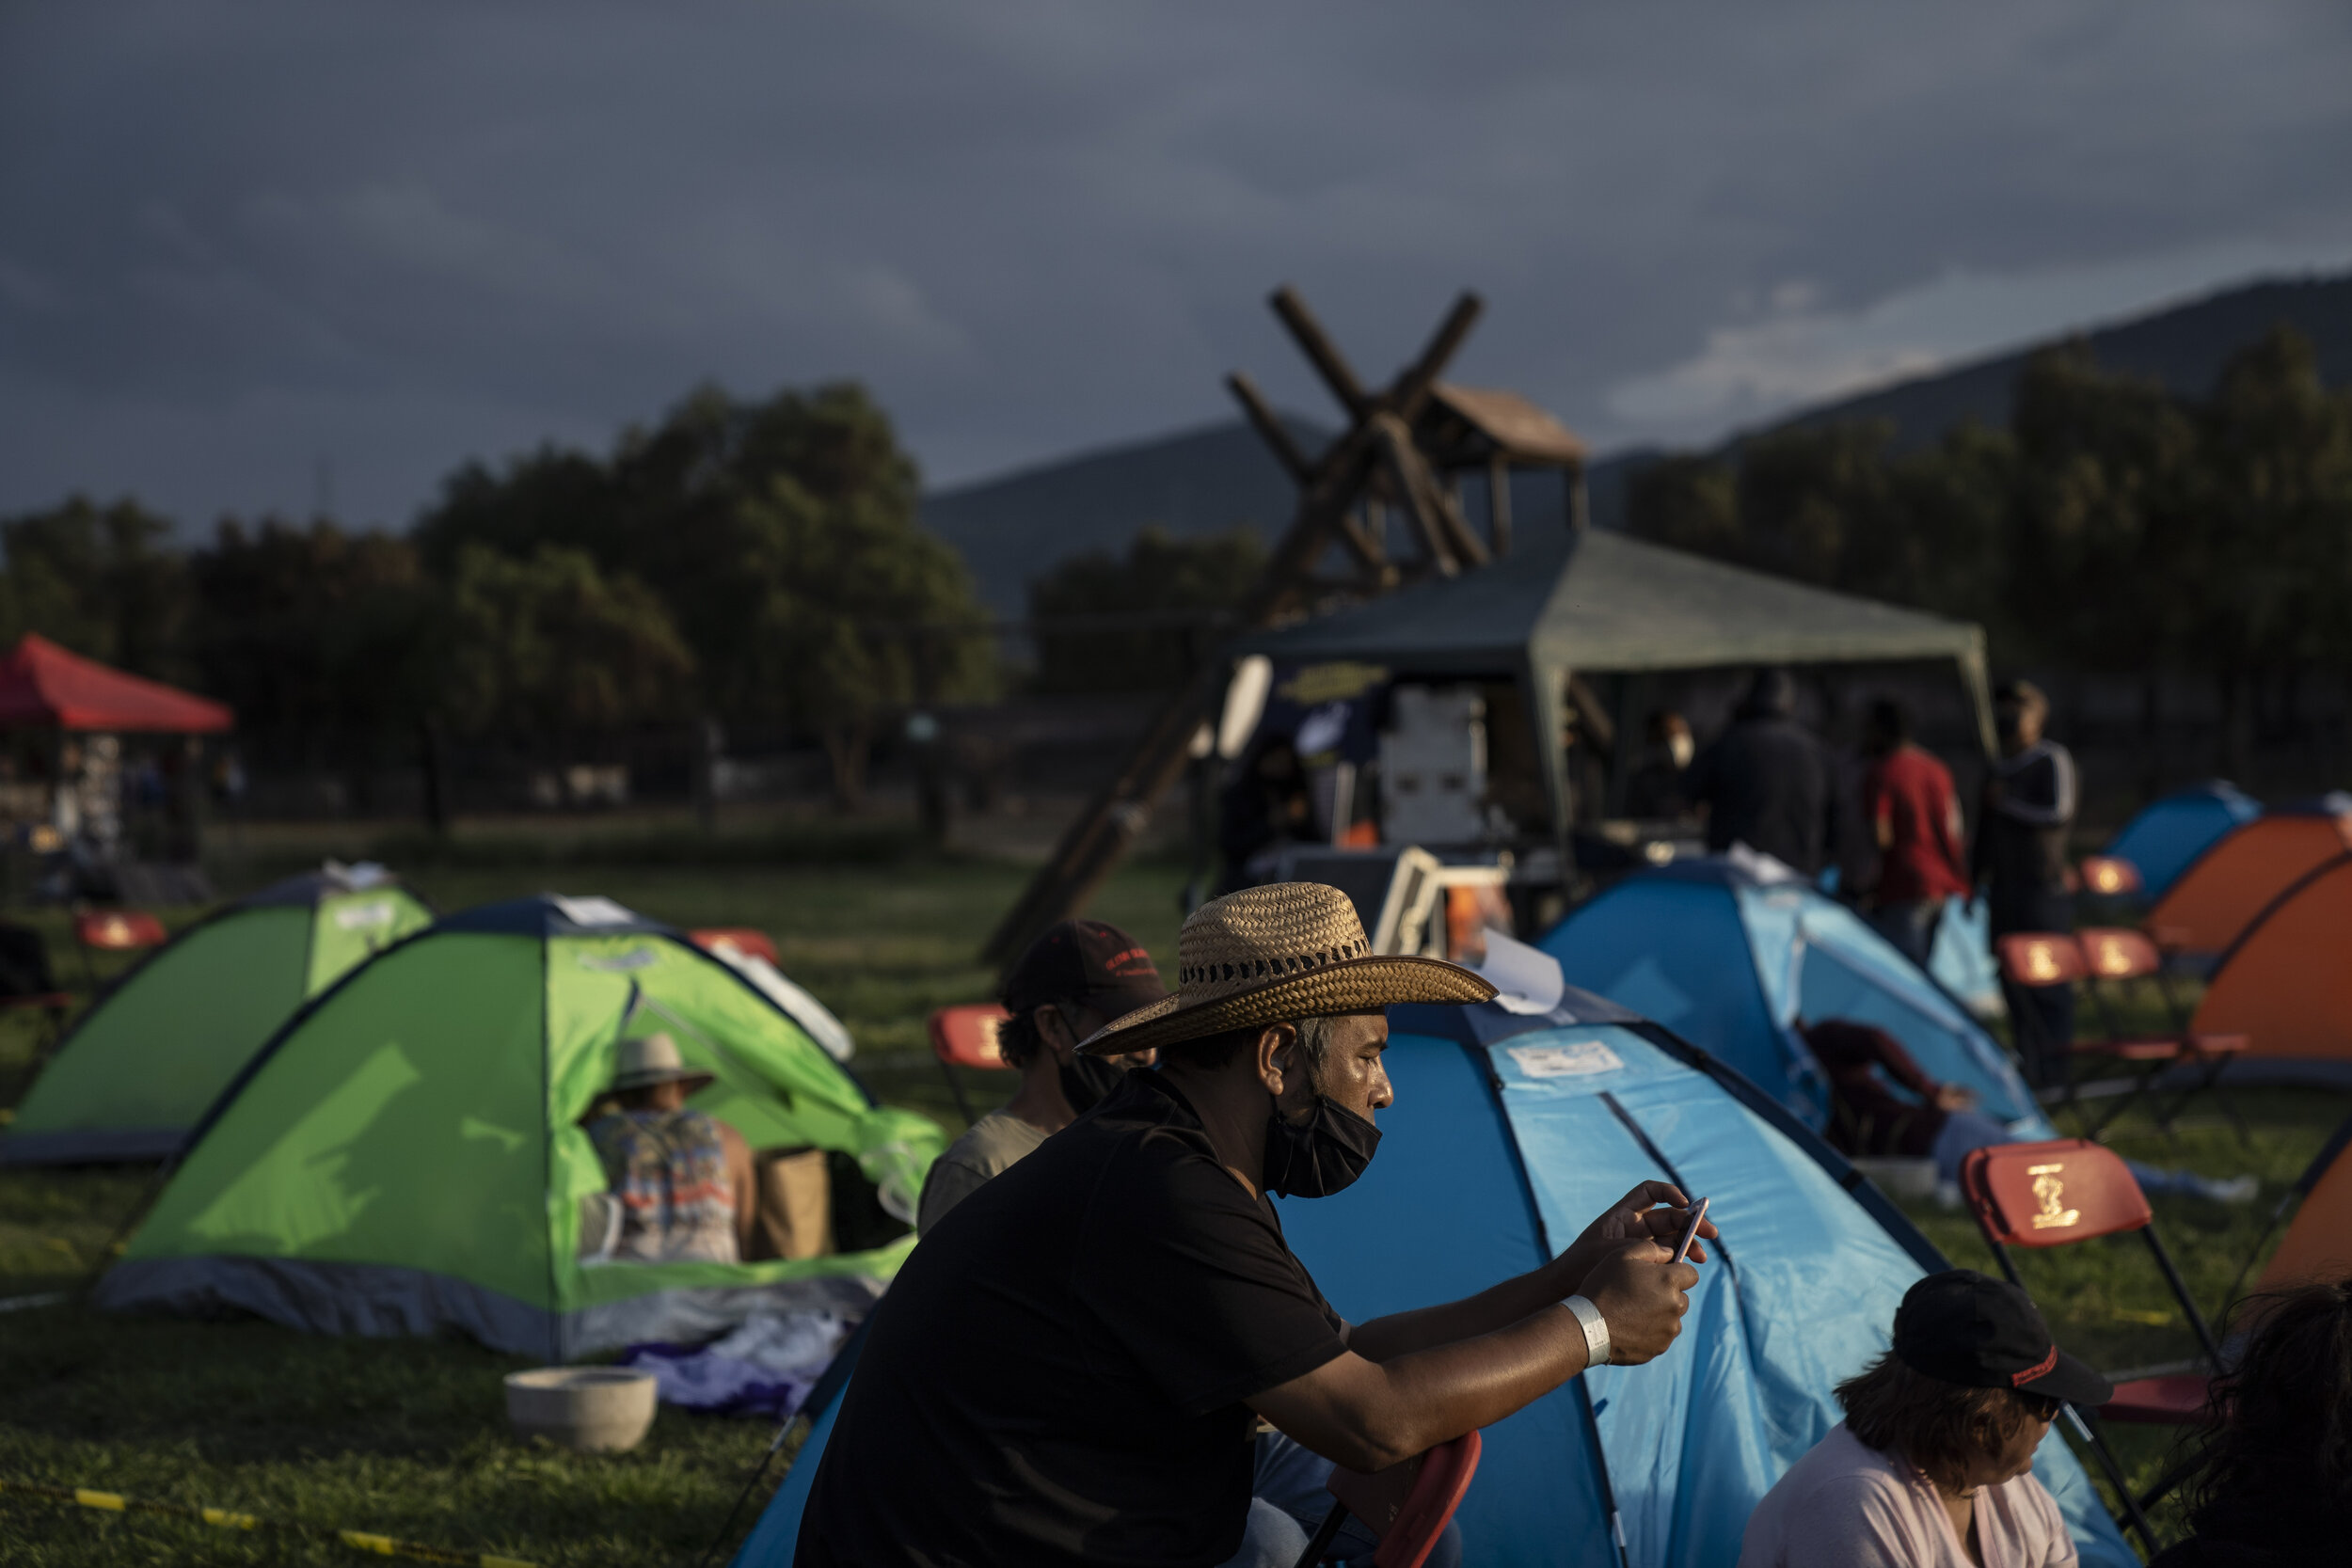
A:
744, 561
2114, 527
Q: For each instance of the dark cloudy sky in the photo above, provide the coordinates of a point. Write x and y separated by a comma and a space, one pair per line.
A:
243, 243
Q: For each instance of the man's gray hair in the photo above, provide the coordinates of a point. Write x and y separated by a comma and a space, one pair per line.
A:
1314, 1043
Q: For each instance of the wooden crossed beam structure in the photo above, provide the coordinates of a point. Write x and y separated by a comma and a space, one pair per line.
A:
1377, 470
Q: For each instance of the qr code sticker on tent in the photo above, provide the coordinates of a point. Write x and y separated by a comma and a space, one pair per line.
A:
1570, 1059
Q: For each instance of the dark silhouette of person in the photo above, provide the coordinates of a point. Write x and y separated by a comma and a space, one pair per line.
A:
1766, 781
1267, 804
1654, 791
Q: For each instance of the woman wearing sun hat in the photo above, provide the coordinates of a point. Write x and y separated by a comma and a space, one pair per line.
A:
1071, 1367
1933, 1463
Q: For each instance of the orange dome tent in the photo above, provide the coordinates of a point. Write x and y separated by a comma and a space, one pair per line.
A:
2285, 982
2318, 1246
45, 687
2228, 886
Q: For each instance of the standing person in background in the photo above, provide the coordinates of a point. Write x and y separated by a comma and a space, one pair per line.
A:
1073, 980
1654, 790
2030, 797
1765, 782
1914, 820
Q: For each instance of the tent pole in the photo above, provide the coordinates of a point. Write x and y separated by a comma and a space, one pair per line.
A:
1974, 680
1545, 687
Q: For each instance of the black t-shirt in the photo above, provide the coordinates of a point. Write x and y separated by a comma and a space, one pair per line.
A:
1056, 1375
1767, 785
2021, 838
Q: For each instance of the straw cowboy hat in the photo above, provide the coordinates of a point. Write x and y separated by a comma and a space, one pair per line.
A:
640, 1063
1270, 955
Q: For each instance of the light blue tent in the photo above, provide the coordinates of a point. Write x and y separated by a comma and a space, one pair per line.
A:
2166, 837
1731, 957
1508, 1135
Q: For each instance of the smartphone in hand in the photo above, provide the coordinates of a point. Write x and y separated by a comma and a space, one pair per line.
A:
1690, 1229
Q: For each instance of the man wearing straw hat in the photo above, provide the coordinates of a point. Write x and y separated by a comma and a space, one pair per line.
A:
1071, 1368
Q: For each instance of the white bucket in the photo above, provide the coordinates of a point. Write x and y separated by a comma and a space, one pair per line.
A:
594, 1409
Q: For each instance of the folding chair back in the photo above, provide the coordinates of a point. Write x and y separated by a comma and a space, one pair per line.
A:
1405, 1505
98, 931
2119, 953
745, 939
2071, 1190
2040, 959
2109, 878
2118, 956
965, 1037
2048, 1194
119, 930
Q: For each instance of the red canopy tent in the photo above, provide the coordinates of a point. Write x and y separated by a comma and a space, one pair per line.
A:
45, 687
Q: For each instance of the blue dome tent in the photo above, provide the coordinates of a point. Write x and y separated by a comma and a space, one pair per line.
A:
2167, 836
1508, 1135
1733, 952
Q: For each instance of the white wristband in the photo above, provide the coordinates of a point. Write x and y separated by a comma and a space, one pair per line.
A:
1596, 1331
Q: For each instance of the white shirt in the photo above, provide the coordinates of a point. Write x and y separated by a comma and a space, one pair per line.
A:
1846, 1505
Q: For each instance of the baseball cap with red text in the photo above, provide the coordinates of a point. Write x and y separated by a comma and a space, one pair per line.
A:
1965, 1327
1097, 966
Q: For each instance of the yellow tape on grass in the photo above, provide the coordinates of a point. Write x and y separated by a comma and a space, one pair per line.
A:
383, 1546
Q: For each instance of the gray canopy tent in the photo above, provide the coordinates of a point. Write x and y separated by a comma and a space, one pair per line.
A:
1576, 602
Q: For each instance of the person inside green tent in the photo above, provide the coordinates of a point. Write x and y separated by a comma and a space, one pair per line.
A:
681, 1179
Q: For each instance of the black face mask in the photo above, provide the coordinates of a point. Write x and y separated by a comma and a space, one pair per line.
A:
1086, 1079
1319, 1156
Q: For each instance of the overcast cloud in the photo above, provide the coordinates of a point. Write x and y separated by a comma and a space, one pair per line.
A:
236, 242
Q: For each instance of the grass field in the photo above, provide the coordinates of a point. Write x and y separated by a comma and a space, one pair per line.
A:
408, 1438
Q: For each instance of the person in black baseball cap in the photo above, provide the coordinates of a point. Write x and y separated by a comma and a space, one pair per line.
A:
1073, 980
1933, 1463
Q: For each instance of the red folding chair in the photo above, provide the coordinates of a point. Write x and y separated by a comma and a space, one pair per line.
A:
965, 1037
2119, 958
743, 939
2035, 958
2070, 1190
2105, 876
1405, 1505
115, 931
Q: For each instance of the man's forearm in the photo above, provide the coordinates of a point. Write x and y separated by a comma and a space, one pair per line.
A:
1426, 1397
1496, 1307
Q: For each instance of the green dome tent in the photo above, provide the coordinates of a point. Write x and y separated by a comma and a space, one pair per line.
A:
138, 1070
405, 1156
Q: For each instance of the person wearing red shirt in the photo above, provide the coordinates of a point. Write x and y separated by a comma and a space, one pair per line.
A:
1915, 816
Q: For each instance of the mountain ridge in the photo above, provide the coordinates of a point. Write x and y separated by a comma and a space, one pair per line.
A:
1212, 477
